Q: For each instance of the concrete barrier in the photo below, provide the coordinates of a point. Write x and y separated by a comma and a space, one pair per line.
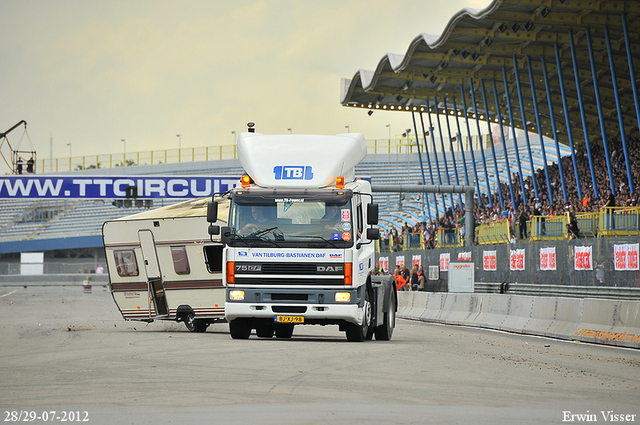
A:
612, 322
53, 279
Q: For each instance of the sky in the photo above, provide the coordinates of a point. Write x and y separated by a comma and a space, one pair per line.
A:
91, 73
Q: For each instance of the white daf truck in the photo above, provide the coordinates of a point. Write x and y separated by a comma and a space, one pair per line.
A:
299, 243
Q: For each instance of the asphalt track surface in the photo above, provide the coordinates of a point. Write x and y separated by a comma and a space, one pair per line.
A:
67, 351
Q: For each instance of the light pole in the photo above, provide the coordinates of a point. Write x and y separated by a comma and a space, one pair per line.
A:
389, 127
234, 136
290, 130
179, 146
348, 129
124, 155
69, 144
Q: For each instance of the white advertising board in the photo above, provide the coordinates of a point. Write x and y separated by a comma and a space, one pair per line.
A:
461, 277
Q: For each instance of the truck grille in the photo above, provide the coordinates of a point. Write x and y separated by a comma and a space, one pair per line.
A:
258, 280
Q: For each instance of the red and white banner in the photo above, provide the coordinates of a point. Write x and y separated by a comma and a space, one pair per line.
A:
383, 263
548, 258
416, 260
489, 262
444, 262
400, 260
583, 258
464, 256
626, 256
516, 260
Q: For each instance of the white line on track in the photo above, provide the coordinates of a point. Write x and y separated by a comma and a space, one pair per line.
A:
4, 295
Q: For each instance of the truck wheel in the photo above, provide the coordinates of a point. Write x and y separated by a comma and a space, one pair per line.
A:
264, 331
284, 331
239, 329
359, 333
385, 331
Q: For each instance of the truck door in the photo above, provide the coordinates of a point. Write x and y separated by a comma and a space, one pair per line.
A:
154, 276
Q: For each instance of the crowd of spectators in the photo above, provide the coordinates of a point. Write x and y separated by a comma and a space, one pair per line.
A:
527, 204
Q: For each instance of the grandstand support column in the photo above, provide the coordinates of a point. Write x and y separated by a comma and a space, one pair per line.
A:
618, 108
484, 161
524, 125
515, 139
459, 135
576, 72
426, 151
632, 73
553, 126
566, 118
435, 153
444, 155
415, 129
453, 154
539, 126
493, 149
473, 156
596, 88
469, 203
504, 141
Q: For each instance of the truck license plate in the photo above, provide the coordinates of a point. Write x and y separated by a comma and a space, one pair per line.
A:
289, 319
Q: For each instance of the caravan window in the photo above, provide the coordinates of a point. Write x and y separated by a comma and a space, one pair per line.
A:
126, 263
180, 261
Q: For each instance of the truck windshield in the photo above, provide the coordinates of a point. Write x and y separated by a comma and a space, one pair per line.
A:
302, 219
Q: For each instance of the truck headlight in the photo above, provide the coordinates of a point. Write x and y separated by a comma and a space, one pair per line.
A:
343, 297
236, 295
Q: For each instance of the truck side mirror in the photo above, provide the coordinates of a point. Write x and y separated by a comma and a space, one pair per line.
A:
212, 211
225, 234
214, 230
373, 233
372, 214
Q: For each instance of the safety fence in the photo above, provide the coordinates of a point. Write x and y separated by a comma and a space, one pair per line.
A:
611, 261
609, 222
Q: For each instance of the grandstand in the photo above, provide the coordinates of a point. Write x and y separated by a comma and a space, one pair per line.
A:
63, 225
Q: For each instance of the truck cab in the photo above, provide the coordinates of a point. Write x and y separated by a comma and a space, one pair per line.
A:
299, 244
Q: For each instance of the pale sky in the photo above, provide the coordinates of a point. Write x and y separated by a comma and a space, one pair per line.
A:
91, 73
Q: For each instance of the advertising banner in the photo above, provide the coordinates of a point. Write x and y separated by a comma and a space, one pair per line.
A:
548, 258
444, 262
583, 258
464, 256
626, 256
416, 260
516, 261
489, 262
400, 260
114, 187
383, 263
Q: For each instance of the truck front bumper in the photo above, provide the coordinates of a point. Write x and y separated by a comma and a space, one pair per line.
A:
319, 306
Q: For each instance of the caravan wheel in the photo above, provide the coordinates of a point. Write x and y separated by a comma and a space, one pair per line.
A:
190, 321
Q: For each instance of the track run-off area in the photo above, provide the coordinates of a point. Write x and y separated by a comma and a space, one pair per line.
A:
66, 350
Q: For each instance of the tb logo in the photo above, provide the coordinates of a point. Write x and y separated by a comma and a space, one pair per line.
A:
284, 172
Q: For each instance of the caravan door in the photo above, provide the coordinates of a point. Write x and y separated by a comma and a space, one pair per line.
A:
154, 275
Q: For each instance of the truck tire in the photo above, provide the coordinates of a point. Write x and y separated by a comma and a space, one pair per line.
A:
284, 331
359, 333
239, 329
264, 331
385, 331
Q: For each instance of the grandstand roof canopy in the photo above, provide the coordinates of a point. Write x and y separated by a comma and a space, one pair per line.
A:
481, 47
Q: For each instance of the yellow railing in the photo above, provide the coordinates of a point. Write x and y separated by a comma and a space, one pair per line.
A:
209, 153
493, 233
212, 153
619, 221
449, 239
545, 228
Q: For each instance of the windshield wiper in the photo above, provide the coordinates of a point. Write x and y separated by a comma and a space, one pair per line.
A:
332, 243
251, 239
